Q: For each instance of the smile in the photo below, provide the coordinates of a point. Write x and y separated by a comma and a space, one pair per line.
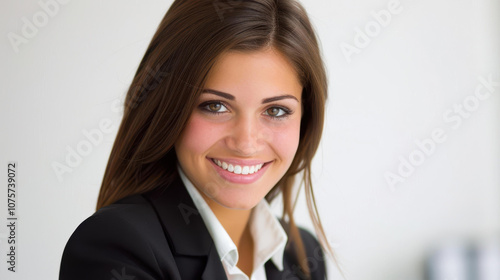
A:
240, 172
238, 169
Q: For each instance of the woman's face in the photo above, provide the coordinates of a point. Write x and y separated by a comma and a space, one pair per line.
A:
244, 132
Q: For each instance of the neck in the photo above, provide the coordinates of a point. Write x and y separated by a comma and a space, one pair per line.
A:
234, 221
236, 224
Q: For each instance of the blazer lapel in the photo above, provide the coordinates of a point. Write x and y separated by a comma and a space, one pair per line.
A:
214, 269
185, 230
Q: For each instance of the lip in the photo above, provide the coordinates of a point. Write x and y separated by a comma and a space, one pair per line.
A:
239, 178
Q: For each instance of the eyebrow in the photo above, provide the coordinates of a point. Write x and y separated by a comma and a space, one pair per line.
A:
265, 100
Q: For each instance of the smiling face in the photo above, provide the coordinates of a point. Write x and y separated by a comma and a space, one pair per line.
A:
244, 132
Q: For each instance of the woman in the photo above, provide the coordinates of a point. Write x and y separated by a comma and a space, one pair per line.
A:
226, 107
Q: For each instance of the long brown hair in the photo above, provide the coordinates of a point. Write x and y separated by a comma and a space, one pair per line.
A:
168, 81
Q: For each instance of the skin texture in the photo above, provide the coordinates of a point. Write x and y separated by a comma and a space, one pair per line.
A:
242, 129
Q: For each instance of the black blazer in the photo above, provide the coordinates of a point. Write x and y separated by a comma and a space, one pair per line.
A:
160, 235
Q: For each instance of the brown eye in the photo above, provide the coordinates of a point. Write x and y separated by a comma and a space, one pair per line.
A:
273, 112
278, 112
215, 107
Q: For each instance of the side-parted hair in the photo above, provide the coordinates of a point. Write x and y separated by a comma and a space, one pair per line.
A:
171, 75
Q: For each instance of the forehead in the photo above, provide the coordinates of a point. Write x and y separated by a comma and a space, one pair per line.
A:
258, 73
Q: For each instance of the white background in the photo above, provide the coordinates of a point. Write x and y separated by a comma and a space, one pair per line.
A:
75, 69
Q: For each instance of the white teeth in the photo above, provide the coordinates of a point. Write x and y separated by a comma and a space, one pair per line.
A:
245, 170
238, 169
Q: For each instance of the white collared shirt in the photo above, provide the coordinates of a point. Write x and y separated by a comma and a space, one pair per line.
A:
268, 235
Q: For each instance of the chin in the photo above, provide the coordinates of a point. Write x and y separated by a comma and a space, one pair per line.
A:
240, 202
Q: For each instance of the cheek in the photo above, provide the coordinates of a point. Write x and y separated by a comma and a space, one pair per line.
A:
285, 140
199, 135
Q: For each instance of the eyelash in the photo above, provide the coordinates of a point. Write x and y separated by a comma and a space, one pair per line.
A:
204, 106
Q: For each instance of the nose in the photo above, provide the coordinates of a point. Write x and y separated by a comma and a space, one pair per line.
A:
247, 137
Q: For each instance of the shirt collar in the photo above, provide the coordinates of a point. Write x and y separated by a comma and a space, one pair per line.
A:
269, 236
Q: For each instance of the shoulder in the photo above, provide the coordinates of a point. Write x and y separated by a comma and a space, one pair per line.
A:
130, 213
113, 240
120, 220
